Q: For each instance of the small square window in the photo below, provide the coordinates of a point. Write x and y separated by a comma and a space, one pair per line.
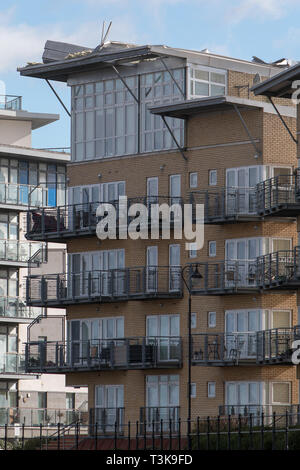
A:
212, 177
212, 319
212, 248
193, 180
211, 389
193, 320
192, 250
193, 390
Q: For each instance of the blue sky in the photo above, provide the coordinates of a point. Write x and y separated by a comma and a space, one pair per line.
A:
268, 29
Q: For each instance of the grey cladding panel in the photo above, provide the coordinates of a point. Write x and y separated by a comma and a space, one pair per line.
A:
55, 50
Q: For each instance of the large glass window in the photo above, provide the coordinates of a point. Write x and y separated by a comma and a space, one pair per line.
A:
106, 119
206, 81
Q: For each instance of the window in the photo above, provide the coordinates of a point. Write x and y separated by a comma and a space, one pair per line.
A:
206, 81
212, 319
193, 180
109, 403
193, 390
281, 392
96, 328
211, 389
193, 320
239, 395
212, 248
212, 177
105, 115
105, 192
162, 391
192, 250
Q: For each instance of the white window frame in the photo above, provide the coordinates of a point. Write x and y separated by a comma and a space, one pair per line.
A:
209, 393
193, 390
192, 252
194, 184
194, 320
210, 324
211, 182
212, 243
209, 81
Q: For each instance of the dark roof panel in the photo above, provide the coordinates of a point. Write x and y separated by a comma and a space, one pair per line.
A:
280, 85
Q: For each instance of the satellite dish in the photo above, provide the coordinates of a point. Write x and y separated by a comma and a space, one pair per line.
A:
256, 79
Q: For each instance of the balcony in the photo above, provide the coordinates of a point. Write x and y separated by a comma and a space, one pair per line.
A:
12, 365
107, 420
226, 205
14, 309
63, 222
114, 285
41, 416
11, 102
267, 410
279, 270
159, 418
223, 277
279, 196
98, 354
19, 196
18, 253
252, 348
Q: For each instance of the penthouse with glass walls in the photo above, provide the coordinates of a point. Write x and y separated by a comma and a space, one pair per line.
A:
160, 124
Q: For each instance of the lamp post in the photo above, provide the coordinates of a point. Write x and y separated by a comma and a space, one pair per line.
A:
193, 275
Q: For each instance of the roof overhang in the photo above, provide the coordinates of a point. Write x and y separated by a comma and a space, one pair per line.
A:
37, 119
280, 85
60, 70
189, 108
33, 154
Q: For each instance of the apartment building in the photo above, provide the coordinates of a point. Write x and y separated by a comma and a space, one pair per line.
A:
29, 178
160, 124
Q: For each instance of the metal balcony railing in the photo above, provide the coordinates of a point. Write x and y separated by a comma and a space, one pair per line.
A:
280, 269
223, 277
11, 102
14, 307
100, 354
257, 410
279, 196
107, 420
80, 219
12, 363
20, 252
105, 286
223, 205
258, 347
159, 418
14, 194
41, 416
275, 345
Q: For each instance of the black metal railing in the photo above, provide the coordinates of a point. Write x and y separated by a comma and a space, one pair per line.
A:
81, 219
272, 346
225, 204
223, 277
261, 430
105, 285
279, 269
108, 354
276, 345
157, 416
278, 195
107, 420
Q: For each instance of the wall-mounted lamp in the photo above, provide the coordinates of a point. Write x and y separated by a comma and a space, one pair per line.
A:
99, 175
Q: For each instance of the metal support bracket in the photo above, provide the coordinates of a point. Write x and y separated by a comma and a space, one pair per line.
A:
58, 97
174, 138
173, 78
258, 152
125, 84
282, 120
